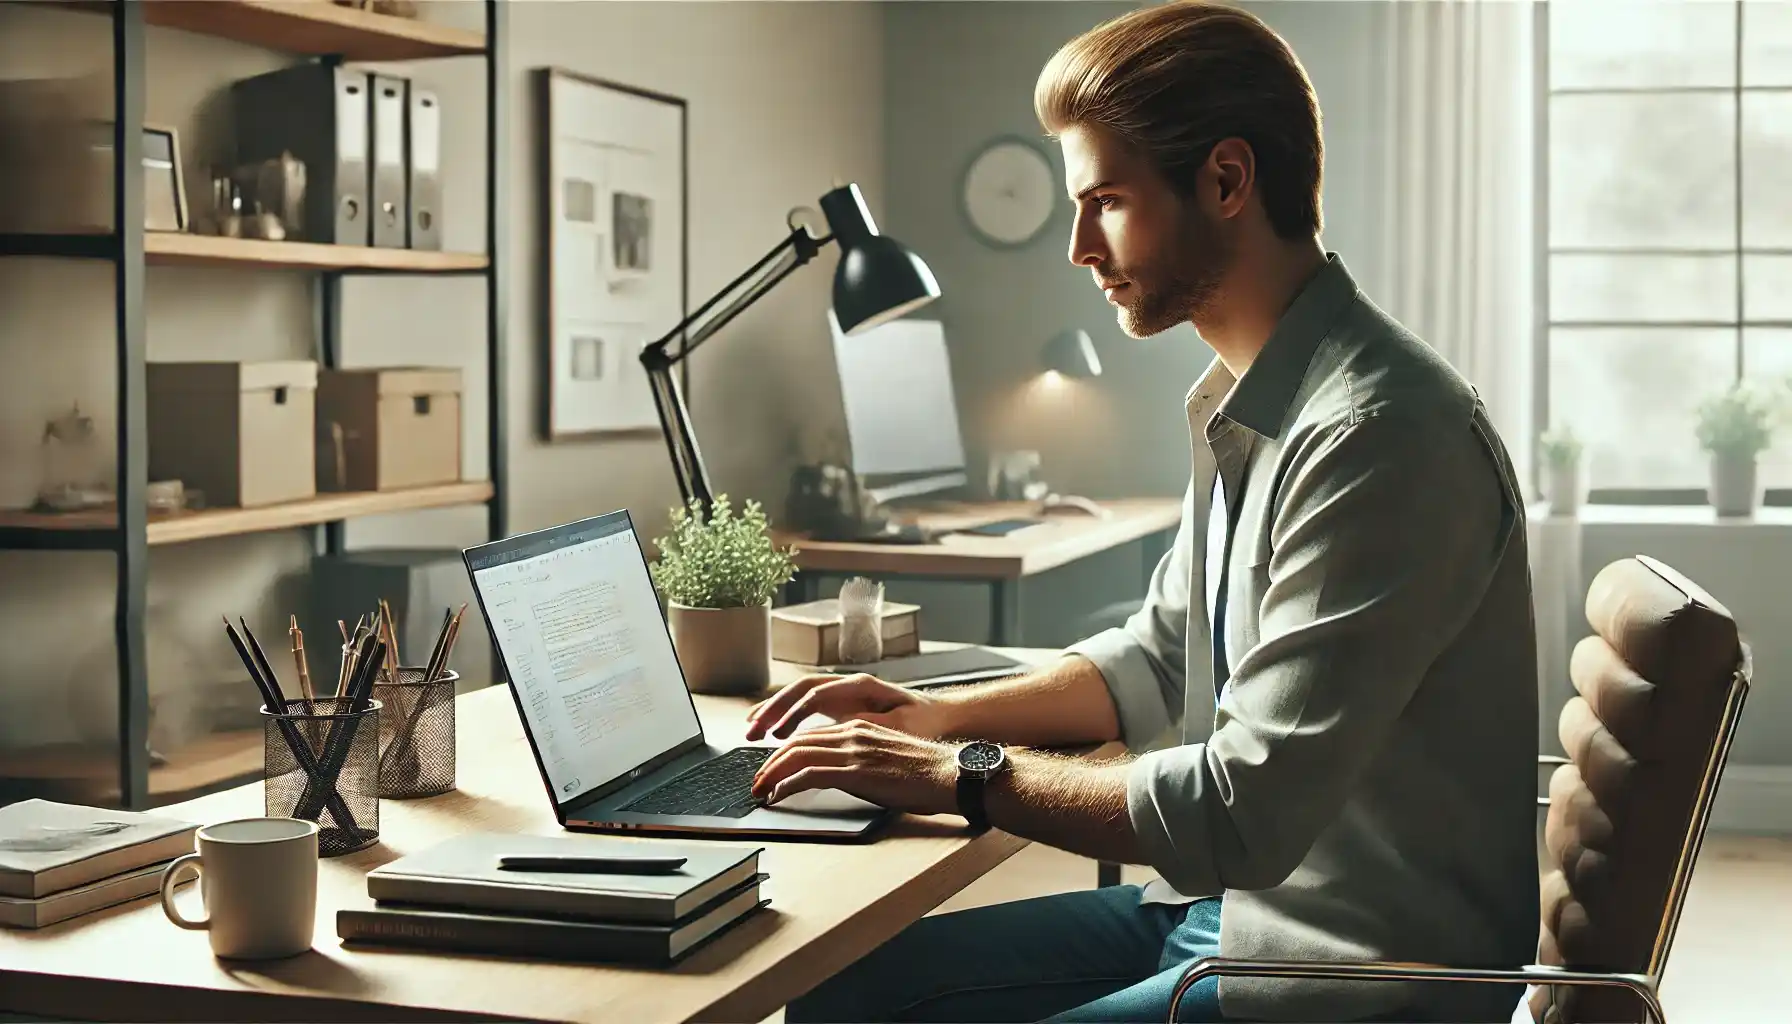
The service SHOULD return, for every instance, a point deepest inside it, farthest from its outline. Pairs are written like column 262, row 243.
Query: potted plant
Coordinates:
column 1735, row 426
column 718, row 576
column 1560, row 451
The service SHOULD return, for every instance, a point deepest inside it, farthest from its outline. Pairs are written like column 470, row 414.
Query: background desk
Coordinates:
column 998, row 562
column 830, row 905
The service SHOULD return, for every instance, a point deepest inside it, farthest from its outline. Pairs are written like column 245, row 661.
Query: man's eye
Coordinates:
column 1106, row 202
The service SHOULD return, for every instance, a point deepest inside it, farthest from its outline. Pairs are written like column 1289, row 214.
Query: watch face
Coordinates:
column 981, row 756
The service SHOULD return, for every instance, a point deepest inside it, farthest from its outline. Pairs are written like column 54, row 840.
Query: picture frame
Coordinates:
column 164, row 186
column 614, row 272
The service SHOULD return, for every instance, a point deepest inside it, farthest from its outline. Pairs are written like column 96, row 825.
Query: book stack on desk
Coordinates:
column 60, row 860
column 544, row 896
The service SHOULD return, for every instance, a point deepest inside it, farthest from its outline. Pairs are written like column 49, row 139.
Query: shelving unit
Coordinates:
column 86, row 531
column 333, row 34
column 171, row 249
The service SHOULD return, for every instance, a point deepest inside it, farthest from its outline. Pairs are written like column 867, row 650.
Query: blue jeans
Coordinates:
column 1094, row 955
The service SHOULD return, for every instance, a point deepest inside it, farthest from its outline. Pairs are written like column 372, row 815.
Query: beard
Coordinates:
column 1176, row 285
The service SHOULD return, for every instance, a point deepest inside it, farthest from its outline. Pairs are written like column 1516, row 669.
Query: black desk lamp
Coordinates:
column 878, row 280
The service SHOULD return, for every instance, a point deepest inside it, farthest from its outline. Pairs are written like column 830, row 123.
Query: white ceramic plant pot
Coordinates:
column 723, row 650
column 1563, row 488
column 1733, row 486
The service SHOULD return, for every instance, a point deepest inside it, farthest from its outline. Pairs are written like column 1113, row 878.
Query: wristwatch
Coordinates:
column 978, row 761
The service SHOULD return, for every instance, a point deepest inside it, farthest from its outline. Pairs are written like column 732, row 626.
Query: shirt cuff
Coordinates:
column 1131, row 682
column 1162, row 786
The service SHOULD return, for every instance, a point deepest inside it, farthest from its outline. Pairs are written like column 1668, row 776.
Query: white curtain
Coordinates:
column 1456, row 230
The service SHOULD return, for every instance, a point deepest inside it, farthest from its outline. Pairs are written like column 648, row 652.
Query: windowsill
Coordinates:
column 1776, row 516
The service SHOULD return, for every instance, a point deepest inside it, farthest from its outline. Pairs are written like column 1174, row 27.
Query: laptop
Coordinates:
column 580, row 634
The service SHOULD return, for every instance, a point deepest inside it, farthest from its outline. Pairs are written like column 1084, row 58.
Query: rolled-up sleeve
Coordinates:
column 1388, row 532
column 1143, row 662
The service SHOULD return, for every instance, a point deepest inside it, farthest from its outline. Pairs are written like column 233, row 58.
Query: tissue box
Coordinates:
column 809, row 634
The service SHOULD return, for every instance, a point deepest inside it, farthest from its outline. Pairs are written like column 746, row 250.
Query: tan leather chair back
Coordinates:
column 1660, row 685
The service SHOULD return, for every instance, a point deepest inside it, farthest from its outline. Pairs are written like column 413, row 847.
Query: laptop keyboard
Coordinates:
column 721, row 787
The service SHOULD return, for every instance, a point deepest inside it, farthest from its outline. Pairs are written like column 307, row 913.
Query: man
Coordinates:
column 1335, row 661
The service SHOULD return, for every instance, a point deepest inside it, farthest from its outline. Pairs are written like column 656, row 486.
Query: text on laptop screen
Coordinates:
column 582, row 636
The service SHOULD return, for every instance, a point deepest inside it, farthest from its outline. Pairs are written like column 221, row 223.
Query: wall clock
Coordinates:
column 1008, row 192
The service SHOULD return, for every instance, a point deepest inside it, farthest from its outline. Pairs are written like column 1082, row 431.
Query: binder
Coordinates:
column 423, row 159
column 319, row 114
column 389, row 205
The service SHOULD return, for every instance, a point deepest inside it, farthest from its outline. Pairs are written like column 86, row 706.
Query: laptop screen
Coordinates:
column 580, row 631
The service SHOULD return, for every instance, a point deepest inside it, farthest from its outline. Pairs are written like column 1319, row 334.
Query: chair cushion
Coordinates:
column 1652, row 684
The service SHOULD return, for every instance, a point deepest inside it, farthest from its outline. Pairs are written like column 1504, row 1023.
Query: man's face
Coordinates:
column 1155, row 254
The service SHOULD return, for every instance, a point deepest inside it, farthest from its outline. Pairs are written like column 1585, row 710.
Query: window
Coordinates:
column 1669, row 241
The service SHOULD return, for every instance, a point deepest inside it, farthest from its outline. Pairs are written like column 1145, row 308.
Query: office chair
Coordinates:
column 1660, row 684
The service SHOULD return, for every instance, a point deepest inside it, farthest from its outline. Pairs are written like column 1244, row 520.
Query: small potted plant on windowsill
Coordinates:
column 1735, row 426
column 718, row 576
column 1560, row 451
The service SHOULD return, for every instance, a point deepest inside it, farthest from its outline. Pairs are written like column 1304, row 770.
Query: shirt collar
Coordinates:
column 1260, row 399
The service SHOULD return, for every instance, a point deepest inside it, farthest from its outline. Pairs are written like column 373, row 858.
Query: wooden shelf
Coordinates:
column 89, row 775
column 225, row 522
column 315, row 27
column 172, row 249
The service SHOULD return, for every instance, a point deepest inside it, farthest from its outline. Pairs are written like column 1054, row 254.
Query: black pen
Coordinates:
column 592, row 865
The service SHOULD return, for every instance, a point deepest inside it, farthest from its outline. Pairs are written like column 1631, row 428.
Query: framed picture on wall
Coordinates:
column 614, row 266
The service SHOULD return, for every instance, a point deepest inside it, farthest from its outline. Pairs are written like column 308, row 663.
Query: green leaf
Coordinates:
column 727, row 561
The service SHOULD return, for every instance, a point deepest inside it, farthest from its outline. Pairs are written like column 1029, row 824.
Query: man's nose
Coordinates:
column 1087, row 248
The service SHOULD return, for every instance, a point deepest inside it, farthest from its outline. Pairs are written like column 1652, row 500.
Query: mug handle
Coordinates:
column 169, row 875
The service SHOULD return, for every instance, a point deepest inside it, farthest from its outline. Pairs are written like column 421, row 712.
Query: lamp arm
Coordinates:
column 658, row 360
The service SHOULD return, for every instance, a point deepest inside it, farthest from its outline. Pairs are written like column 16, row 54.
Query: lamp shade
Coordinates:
column 1072, row 353
column 878, row 278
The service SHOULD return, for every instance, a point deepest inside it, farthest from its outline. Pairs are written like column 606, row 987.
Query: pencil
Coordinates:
column 435, row 651
column 261, row 659
column 301, row 751
column 298, row 657
column 388, row 635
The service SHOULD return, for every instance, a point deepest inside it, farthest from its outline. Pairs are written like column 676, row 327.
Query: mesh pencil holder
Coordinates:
column 322, row 765
column 416, row 734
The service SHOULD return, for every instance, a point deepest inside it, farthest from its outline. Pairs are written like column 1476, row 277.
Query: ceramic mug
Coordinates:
column 258, row 879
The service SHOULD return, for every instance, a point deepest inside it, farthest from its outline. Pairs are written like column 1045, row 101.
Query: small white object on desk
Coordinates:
column 1071, row 504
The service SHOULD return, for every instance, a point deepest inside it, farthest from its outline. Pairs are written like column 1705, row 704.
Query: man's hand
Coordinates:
column 842, row 698
column 873, row 762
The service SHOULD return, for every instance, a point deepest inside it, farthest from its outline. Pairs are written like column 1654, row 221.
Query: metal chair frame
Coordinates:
column 1644, row 986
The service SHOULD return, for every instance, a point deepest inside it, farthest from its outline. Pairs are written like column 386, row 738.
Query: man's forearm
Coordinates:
column 1064, row 705
column 1068, row 803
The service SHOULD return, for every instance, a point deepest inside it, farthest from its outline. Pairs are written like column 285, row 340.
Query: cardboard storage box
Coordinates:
column 386, row 428
column 809, row 634
column 238, row 432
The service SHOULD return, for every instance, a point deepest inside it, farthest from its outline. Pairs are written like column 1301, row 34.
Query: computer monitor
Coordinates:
column 901, row 415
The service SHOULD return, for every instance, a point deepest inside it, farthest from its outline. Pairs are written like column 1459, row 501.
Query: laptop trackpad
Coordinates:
column 823, row 801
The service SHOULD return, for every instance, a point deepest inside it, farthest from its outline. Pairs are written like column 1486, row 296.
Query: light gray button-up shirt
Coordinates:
column 1364, row 788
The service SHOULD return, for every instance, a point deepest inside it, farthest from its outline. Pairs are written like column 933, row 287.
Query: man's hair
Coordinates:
column 1176, row 79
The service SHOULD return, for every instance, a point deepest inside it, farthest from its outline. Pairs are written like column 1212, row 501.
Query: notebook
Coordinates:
column 463, row 873
column 47, row 847
column 43, row 911
column 549, row 938
column 939, row 668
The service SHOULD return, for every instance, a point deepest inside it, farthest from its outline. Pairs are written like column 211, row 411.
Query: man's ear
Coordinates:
column 1233, row 168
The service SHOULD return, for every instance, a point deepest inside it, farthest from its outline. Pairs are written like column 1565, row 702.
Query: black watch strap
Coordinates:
column 970, row 800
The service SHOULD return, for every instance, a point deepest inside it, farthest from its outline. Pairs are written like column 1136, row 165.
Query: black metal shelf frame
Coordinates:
column 124, row 249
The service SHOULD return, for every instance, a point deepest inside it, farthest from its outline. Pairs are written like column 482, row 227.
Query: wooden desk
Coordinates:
column 999, row 562
column 830, row 905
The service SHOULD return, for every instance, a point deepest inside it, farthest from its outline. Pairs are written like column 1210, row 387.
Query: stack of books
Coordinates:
column 60, row 860
column 456, row 896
